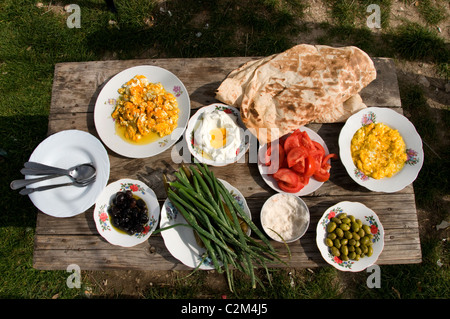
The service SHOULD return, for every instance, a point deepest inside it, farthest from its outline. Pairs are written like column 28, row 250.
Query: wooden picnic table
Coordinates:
column 60, row 242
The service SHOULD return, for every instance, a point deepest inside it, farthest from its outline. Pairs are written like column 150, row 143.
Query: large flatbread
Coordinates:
column 307, row 83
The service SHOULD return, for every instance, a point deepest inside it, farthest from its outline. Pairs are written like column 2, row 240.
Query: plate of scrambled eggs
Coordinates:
column 142, row 111
column 381, row 149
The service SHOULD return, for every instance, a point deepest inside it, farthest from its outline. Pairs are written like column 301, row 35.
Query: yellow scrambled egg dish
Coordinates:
column 145, row 107
column 378, row 151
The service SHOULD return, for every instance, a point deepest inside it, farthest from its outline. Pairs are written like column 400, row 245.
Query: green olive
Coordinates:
column 352, row 242
column 366, row 229
column 348, row 235
column 332, row 236
column 339, row 232
column 329, row 242
column 344, row 257
column 342, row 215
column 344, row 250
column 361, row 232
column 344, row 226
column 359, row 222
column 351, row 248
column 357, row 257
column 344, row 241
column 358, row 251
column 352, row 218
column 352, row 255
column 365, row 240
column 355, row 227
column 346, row 220
column 335, row 251
column 337, row 243
column 370, row 251
column 356, row 236
column 364, row 249
column 336, row 220
column 358, row 243
column 331, row 227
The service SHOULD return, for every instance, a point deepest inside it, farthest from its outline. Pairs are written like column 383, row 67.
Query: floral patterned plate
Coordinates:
column 368, row 217
column 180, row 240
column 406, row 129
column 195, row 147
column 103, row 221
column 106, row 102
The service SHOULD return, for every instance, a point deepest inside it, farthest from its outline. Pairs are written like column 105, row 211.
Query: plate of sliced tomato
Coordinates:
column 297, row 163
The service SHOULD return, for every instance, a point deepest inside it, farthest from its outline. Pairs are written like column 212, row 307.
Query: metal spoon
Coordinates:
column 19, row 183
column 77, row 173
column 42, row 169
column 82, row 183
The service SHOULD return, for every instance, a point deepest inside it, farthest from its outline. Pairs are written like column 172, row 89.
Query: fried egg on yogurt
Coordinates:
column 219, row 136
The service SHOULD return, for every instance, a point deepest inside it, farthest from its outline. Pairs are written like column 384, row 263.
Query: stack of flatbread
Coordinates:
column 307, row 83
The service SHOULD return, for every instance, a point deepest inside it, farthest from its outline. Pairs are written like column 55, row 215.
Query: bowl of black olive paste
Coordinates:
column 126, row 213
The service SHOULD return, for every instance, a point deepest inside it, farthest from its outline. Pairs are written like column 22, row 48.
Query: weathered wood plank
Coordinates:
column 66, row 241
column 76, row 85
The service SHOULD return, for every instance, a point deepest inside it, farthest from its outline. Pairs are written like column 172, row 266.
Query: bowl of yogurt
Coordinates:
column 285, row 217
column 216, row 135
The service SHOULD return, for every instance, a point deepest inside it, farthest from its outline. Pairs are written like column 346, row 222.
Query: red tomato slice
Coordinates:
column 273, row 161
column 328, row 157
column 286, row 175
column 291, row 142
column 310, row 166
column 290, row 189
column 321, row 175
column 299, row 167
column 318, row 151
column 306, row 141
column 295, row 155
column 303, row 179
column 288, row 180
column 302, row 182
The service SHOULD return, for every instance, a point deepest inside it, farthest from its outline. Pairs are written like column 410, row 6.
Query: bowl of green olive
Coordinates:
column 350, row 236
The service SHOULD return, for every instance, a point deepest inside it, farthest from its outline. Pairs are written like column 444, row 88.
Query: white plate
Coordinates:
column 66, row 149
column 105, row 104
column 395, row 121
column 313, row 184
column 103, row 222
column 180, row 240
column 368, row 217
column 196, row 150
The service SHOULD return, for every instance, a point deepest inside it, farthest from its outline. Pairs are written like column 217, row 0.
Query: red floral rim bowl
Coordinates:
column 103, row 220
column 368, row 217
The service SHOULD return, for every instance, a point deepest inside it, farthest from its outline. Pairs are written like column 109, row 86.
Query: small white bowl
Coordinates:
column 298, row 226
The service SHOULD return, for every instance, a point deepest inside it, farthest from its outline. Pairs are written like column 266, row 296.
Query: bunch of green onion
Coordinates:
column 219, row 224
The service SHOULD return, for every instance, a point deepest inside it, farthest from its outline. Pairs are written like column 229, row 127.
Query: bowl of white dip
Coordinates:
column 285, row 217
column 216, row 135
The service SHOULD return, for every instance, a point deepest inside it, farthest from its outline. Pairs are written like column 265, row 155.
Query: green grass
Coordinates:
column 432, row 13
column 33, row 40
